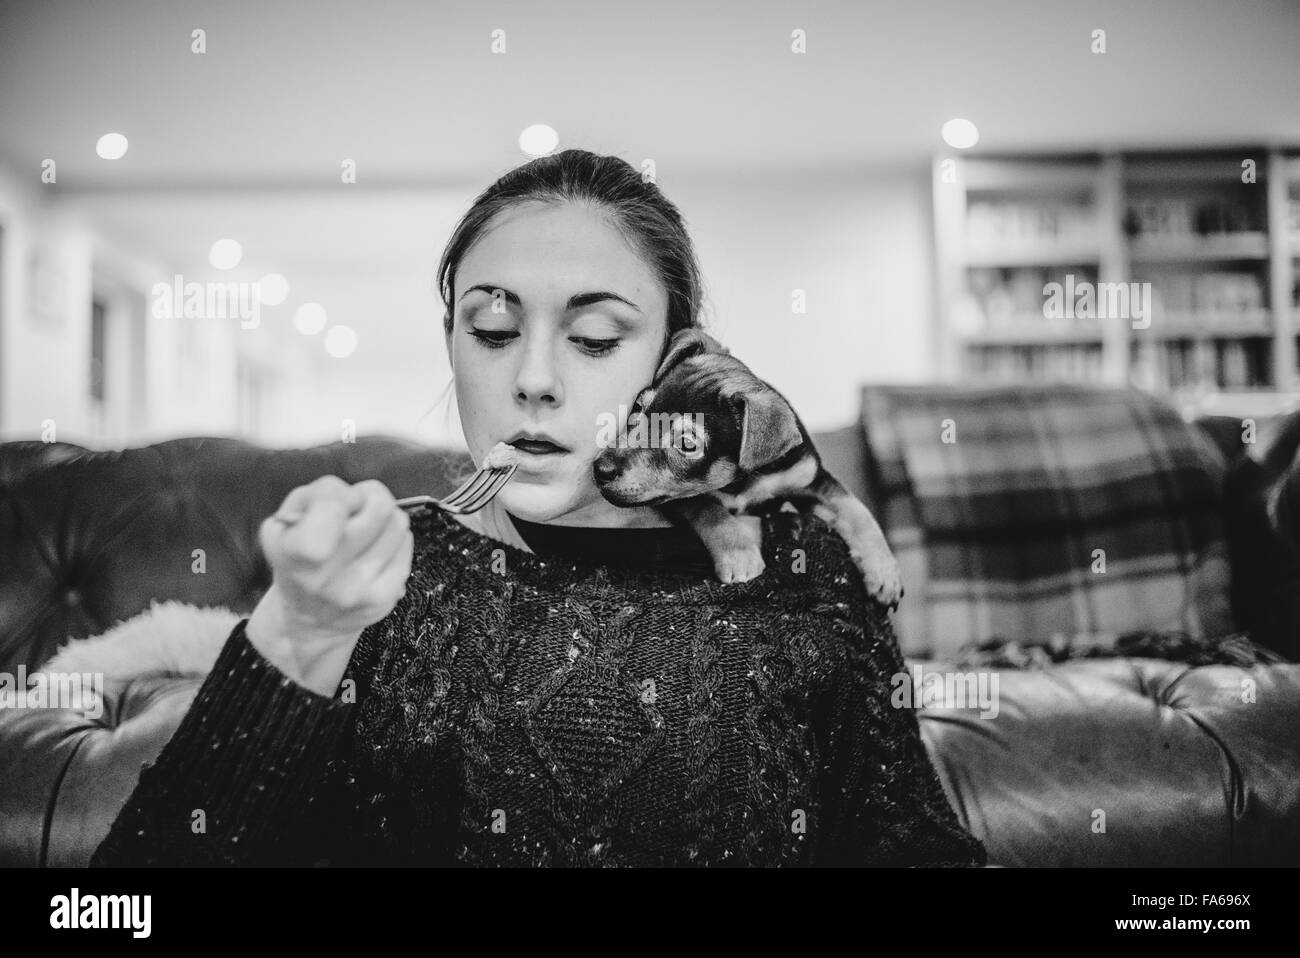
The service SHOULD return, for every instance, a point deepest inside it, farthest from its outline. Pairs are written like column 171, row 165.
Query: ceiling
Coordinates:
column 412, row 92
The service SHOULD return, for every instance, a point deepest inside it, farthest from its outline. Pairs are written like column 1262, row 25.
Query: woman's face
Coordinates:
column 559, row 350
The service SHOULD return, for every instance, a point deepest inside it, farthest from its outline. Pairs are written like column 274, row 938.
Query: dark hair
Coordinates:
column 614, row 189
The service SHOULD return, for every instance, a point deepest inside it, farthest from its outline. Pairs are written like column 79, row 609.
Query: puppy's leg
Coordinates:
column 870, row 551
column 735, row 542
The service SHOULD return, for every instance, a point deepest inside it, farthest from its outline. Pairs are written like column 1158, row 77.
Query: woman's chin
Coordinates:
column 534, row 502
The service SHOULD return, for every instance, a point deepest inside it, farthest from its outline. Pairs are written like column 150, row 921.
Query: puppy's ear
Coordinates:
column 684, row 344
column 769, row 428
column 643, row 399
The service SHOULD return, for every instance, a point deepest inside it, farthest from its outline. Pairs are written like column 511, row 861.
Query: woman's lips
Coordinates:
column 534, row 448
column 535, row 456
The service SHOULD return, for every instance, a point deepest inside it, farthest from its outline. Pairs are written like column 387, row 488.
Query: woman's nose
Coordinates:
column 536, row 379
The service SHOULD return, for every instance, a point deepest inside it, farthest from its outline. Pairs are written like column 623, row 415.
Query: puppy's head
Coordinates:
column 703, row 423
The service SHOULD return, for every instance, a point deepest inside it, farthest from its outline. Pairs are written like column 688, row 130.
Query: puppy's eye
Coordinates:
column 688, row 444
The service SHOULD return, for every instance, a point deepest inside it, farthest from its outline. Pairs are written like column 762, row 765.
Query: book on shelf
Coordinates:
column 1293, row 217
column 1006, row 298
column 1185, row 364
column 1216, row 291
column 994, row 224
column 1182, row 218
column 1037, row 363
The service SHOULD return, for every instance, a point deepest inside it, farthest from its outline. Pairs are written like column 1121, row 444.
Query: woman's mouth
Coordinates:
column 537, row 447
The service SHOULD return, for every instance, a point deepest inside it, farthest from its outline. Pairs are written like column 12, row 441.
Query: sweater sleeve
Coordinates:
column 882, row 801
column 249, row 756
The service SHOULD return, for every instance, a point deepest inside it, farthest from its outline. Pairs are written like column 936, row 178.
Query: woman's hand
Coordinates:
column 340, row 556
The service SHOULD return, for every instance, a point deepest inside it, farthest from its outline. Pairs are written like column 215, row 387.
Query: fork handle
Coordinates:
column 411, row 503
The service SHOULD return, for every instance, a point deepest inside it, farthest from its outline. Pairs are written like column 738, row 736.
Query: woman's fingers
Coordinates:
column 365, row 526
column 300, row 498
column 392, row 538
column 315, row 538
column 391, row 579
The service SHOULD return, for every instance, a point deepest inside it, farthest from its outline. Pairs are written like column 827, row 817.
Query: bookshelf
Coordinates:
column 1164, row 270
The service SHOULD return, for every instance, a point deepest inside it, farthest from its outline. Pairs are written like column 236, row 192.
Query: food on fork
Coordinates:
column 501, row 456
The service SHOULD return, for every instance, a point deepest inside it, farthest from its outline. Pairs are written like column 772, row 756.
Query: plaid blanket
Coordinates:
column 1043, row 514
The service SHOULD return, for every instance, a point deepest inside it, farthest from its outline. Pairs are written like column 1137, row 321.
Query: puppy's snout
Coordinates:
column 605, row 469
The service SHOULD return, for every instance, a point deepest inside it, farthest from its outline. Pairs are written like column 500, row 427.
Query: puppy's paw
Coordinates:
column 881, row 574
column 739, row 564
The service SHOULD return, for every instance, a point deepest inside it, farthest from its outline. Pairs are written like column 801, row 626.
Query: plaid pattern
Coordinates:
column 996, row 531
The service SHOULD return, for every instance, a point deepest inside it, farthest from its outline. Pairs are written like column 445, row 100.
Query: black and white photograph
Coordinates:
column 763, row 435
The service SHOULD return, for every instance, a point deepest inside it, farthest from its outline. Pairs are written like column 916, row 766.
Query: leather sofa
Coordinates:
column 89, row 539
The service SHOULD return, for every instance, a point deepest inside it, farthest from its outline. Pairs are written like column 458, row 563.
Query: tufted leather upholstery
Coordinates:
column 1183, row 771
column 88, row 539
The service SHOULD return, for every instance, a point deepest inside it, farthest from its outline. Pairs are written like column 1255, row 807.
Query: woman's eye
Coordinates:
column 492, row 340
column 598, row 347
column 498, row 339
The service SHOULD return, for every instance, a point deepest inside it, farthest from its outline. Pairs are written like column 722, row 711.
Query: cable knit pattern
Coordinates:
column 516, row 709
column 705, row 738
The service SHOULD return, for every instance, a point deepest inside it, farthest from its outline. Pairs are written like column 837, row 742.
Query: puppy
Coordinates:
column 709, row 441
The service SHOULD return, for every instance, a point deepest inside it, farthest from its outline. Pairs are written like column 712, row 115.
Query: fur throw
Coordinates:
column 167, row 639
column 1236, row 649
column 177, row 639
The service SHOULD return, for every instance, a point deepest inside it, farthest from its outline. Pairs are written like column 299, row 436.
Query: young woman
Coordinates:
column 552, row 680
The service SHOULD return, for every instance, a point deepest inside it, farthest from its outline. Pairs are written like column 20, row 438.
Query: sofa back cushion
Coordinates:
column 90, row 538
column 1037, row 513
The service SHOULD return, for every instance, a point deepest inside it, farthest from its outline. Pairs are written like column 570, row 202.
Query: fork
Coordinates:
column 477, row 491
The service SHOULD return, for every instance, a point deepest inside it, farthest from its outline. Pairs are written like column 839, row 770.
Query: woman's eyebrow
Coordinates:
column 576, row 301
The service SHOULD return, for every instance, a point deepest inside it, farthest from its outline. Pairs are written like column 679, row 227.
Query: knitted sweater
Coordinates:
column 522, row 709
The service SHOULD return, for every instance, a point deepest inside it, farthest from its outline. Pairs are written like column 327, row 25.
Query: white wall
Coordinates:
column 44, row 354
column 159, row 384
column 857, row 247
column 860, row 249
